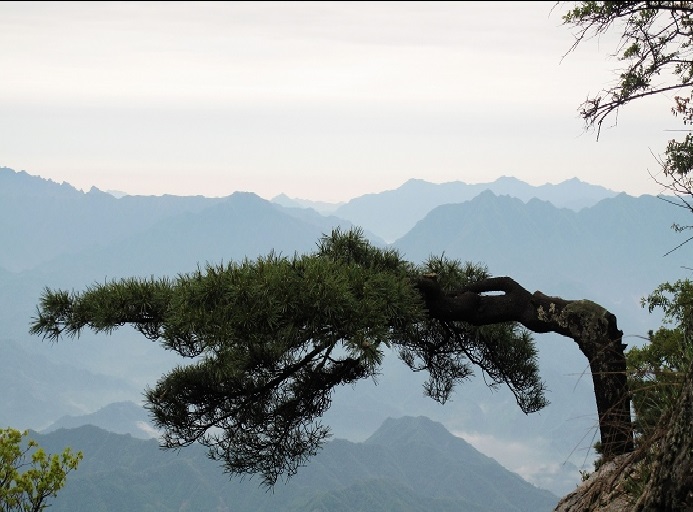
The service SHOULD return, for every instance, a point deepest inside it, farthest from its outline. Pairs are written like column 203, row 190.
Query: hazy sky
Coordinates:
column 317, row 100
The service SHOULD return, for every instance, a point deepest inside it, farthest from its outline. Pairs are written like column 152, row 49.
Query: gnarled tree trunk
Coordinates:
column 663, row 463
column 591, row 326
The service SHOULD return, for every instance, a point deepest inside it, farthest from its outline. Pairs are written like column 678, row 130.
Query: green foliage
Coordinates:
column 29, row 476
column 656, row 371
column 656, row 45
column 679, row 161
column 675, row 300
column 655, row 41
column 271, row 338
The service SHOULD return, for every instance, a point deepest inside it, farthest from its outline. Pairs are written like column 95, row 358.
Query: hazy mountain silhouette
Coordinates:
column 41, row 219
column 409, row 464
column 119, row 418
column 392, row 213
column 322, row 207
column 36, row 389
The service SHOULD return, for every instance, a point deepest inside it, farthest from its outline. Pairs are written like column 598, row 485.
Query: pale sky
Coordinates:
column 318, row 100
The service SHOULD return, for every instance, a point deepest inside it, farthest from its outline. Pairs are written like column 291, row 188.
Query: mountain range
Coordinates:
column 408, row 464
column 393, row 213
column 610, row 250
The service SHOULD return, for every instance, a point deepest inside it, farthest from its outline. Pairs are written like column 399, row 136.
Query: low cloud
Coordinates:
column 534, row 460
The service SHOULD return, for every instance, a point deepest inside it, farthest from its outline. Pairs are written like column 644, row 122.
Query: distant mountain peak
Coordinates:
column 416, row 181
column 509, row 179
column 119, row 417
column 244, row 193
column 400, row 431
column 323, row 207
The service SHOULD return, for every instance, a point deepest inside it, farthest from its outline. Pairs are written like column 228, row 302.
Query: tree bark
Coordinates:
column 590, row 325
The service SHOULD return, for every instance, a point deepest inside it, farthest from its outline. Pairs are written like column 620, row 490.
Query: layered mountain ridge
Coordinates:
column 54, row 235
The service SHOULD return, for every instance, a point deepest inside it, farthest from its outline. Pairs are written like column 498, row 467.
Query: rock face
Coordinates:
column 670, row 488
column 606, row 490
column 619, row 484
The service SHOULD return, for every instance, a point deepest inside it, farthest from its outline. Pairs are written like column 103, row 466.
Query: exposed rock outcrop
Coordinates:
column 606, row 490
column 670, row 486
